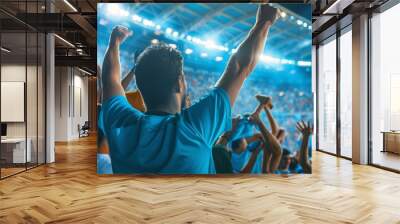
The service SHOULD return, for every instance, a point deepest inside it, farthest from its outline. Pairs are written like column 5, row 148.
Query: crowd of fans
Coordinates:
column 294, row 103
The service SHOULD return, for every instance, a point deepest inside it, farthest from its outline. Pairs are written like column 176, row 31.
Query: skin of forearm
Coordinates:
column 266, row 160
column 304, row 161
column 276, row 149
column 242, row 63
column 275, row 146
column 111, row 73
column 250, row 50
column 252, row 160
column 274, row 125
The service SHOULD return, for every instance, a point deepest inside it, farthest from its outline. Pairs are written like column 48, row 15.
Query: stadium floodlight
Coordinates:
column 210, row 44
column 304, row 63
column 114, row 10
column 158, row 27
column 196, row 40
column 172, row 45
column 136, row 18
column 154, row 41
column 218, row 58
column 168, row 30
column 283, row 14
column 175, row 34
column 204, row 54
column 234, row 50
column 189, row 38
column 299, row 22
column 188, row 51
column 287, row 62
column 305, row 25
column 309, row 27
column 149, row 23
column 281, row 93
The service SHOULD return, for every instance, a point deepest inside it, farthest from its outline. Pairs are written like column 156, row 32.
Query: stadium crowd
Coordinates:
column 190, row 121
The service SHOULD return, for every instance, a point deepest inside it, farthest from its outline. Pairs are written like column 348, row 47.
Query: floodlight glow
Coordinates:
column 210, row 44
column 292, row 17
column 196, row 40
column 158, row 27
column 234, row 50
column 287, row 62
column 270, row 59
column 168, row 30
column 137, row 18
column 189, row 38
column 309, row 27
column 147, row 22
column 188, row 51
column 154, row 41
column 281, row 93
column 218, row 58
column 299, row 22
column 283, row 14
column 203, row 55
column 304, row 63
column 175, row 34
column 305, row 24
column 115, row 10
column 301, row 93
column 172, row 45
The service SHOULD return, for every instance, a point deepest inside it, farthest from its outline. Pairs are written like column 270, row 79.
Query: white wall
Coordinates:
column 70, row 83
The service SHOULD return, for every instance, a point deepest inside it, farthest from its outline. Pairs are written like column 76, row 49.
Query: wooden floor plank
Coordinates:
column 70, row 191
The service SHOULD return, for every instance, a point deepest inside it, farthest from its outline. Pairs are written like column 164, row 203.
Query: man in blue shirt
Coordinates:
column 168, row 138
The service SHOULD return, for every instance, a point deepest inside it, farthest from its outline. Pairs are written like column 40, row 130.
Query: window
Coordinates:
column 385, row 89
column 346, row 94
column 327, row 96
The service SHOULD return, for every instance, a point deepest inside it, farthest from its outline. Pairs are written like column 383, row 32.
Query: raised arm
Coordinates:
column 306, row 131
column 267, row 101
column 270, row 141
column 251, row 162
column 242, row 63
column 111, row 71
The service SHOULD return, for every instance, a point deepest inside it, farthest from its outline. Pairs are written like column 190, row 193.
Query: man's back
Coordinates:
column 143, row 143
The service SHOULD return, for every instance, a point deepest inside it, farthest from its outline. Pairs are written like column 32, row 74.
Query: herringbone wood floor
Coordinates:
column 69, row 191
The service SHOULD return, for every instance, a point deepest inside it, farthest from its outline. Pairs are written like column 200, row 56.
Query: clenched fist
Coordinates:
column 267, row 13
column 119, row 34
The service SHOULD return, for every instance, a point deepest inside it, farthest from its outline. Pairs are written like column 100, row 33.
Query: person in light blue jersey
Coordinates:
column 244, row 159
column 167, row 138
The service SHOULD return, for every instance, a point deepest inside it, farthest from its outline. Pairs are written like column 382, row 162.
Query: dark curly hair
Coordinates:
column 158, row 69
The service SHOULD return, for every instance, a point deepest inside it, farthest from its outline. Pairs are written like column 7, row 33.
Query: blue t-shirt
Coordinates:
column 239, row 161
column 181, row 143
column 103, row 164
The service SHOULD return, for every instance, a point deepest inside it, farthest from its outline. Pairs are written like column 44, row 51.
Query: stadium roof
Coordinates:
column 229, row 23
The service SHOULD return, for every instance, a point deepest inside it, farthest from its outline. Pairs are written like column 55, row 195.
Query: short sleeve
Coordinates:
column 117, row 112
column 211, row 116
